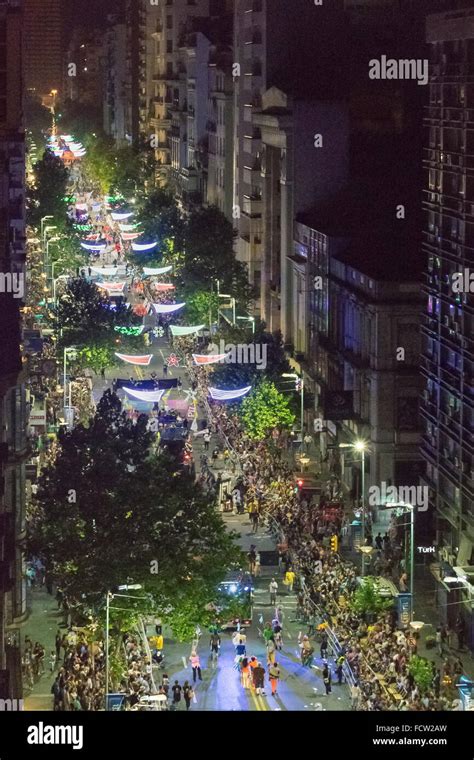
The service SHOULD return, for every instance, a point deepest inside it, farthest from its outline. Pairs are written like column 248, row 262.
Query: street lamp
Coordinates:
column 55, row 280
column 53, row 240
column 225, row 295
column 67, row 350
column 411, row 509
column 294, row 376
column 249, row 319
column 109, row 596
column 361, row 447
column 49, row 216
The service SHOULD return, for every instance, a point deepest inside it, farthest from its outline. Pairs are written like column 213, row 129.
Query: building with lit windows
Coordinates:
column 448, row 320
column 12, row 388
column 43, row 28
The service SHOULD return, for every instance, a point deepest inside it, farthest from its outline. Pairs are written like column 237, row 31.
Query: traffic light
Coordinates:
column 334, row 543
column 299, row 485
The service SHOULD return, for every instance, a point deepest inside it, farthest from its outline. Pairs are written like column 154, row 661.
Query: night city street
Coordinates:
column 237, row 369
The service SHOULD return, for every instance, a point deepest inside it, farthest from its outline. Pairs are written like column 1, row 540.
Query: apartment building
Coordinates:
column 448, row 319
column 170, row 119
column 43, row 27
column 12, row 389
column 292, row 47
column 82, row 69
column 114, row 79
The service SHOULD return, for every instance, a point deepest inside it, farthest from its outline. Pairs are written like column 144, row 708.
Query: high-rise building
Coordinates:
column 82, row 70
column 114, row 79
column 448, row 322
column 141, row 18
column 170, row 120
column 12, row 389
column 291, row 46
column 43, row 54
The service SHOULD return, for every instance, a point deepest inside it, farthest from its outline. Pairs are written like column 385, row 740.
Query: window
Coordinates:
column 169, row 46
column 169, row 22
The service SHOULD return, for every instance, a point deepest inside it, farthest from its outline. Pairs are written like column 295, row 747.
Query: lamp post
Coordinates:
column 109, row 597
column 361, row 447
column 301, row 381
column 226, row 295
column 43, row 220
column 51, row 240
column 249, row 319
column 411, row 509
column 47, row 229
column 67, row 350
column 56, row 280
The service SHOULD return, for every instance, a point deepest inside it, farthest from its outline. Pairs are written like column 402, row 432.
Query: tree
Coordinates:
column 367, row 599
column 271, row 352
column 209, row 255
column 264, row 410
column 422, row 672
column 201, row 306
column 47, row 195
column 161, row 221
column 85, row 315
column 108, row 511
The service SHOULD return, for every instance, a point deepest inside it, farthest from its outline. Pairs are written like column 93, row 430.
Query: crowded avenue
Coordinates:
column 302, row 636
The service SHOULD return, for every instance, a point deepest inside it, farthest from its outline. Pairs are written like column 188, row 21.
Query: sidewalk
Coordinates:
column 42, row 624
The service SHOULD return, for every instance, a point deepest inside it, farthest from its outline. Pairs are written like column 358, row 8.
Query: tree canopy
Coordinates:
column 265, row 409
column 108, row 511
column 47, row 195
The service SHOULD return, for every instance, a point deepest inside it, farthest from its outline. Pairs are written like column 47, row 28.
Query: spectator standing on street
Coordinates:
column 207, row 440
column 188, row 694
column 176, row 689
column 196, row 666
column 273, row 588
column 259, row 679
column 327, row 678
column 290, row 579
column 274, row 676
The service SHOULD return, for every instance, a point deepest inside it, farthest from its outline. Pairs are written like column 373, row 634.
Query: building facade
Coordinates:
column 448, row 319
column 43, row 29
column 170, row 119
column 12, row 387
column 114, row 78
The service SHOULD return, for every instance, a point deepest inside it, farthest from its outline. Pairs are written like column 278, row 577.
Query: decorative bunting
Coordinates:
column 221, row 395
column 143, row 361
column 181, row 331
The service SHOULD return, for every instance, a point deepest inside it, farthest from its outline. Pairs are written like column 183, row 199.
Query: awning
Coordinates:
column 93, row 247
column 109, row 271
column 181, row 331
column 120, row 217
column 152, row 397
column 113, row 287
column 203, row 359
column 220, row 395
column 150, row 272
column 162, row 286
column 143, row 246
column 143, row 361
column 127, row 236
column 167, row 308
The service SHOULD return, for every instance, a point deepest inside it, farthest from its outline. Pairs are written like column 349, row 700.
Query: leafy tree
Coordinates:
column 108, row 511
column 367, row 599
column 273, row 359
column 80, row 119
column 84, row 315
column 265, row 409
column 46, row 195
column 160, row 220
column 200, row 306
column 422, row 672
column 209, row 255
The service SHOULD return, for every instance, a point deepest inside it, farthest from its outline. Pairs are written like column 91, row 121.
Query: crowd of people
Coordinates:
column 375, row 657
